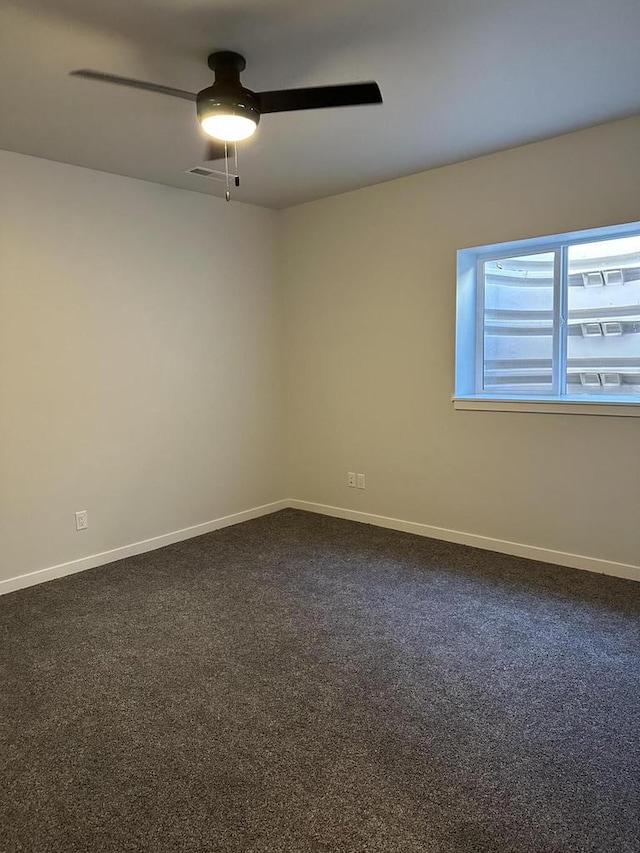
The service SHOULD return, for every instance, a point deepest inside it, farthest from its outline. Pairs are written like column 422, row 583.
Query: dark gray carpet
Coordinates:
column 300, row 683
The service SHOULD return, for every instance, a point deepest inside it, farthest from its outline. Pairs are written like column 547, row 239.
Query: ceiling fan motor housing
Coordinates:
column 228, row 99
column 227, row 95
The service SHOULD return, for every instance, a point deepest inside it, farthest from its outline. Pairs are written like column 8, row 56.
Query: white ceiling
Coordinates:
column 459, row 78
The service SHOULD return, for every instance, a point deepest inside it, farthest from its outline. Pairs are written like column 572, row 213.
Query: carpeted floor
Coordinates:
column 300, row 683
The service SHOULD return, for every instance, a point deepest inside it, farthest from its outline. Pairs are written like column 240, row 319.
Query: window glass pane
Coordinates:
column 518, row 324
column 603, row 333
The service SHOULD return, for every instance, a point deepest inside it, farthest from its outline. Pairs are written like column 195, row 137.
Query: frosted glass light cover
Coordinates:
column 228, row 128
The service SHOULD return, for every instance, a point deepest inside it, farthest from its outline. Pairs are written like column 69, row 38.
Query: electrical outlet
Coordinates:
column 351, row 479
column 361, row 482
column 82, row 520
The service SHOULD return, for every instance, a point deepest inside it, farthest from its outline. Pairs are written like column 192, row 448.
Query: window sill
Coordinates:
column 557, row 406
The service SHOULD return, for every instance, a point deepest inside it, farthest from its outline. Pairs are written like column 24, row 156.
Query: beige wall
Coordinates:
column 145, row 334
column 139, row 361
column 369, row 300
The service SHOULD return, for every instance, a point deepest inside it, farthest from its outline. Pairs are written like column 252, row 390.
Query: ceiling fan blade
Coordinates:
column 133, row 84
column 215, row 150
column 347, row 95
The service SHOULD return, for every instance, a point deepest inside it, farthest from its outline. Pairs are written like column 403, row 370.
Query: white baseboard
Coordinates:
column 532, row 552
column 516, row 549
column 90, row 562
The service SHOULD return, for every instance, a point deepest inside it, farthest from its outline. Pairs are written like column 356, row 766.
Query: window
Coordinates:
column 553, row 321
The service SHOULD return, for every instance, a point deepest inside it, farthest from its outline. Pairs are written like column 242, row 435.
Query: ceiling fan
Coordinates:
column 229, row 113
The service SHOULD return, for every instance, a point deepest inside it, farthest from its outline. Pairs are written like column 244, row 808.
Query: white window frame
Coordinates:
column 469, row 369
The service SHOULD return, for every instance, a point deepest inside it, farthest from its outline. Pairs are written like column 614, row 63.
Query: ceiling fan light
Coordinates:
column 227, row 126
column 227, row 111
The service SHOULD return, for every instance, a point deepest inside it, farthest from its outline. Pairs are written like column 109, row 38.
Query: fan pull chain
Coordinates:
column 236, row 176
column 235, row 147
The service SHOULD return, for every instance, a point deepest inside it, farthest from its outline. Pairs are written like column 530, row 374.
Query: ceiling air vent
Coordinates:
column 612, row 327
column 214, row 174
